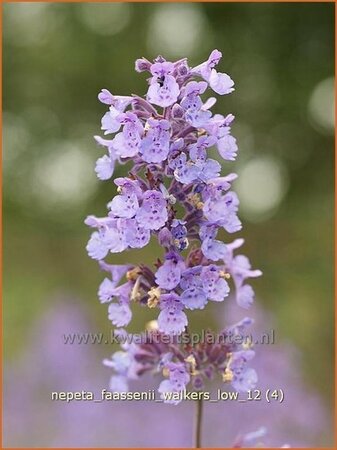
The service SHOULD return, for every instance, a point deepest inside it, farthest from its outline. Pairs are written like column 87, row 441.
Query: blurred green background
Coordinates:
column 57, row 57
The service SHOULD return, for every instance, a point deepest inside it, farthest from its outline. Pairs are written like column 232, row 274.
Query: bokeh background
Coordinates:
column 56, row 58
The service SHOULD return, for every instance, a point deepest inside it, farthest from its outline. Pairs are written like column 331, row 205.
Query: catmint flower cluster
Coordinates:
column 182, row 363
column 174, row 193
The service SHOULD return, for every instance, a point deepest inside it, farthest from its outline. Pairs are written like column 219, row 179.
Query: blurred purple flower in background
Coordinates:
column 52, row 365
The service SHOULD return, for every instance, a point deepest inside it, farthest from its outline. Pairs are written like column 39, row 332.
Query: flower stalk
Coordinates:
column 198, row 423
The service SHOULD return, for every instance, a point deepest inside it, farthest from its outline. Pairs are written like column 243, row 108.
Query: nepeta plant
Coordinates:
column 174, row 192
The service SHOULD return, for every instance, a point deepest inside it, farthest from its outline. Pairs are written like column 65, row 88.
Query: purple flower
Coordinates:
column 244, row 378
column 182, row 364
column 123, row 291
column 195, row 112
column 215, row 287
column 172, row 319
column 240, row 269
column 179, row 231
column 106, row 164
column 127, row 185
column 106, row 290
column 163, row 90
column 245, row 381
column 184, row 172
column 202, row 283
column 179, row 234
column 194, row 298
column 178, row 379
column 221, row 83
column 111, row 121
column 124, row 365
column 206, row 168
column 223, row 212
column 106, row 97
column 128, row 141
column 198, row 152
column 96, row 247
column 108, row 238
column 117, row 271
column 210, row 247
column 219, row 126
column 165, row 237
column 156, row 144
column 136, row 236
column 125, row 205
column 216, row 186
column 142, row 65
column 168, row 275
column 209, row 170
column 104, row 167
column 191, row 277
column 120, row 102
column 204, row 69
column 245, row 296
column 152, row 214
column 228, row 148
column 120, row 314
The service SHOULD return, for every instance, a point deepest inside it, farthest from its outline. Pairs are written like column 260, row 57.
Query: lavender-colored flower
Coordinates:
column 136, row 235
column 179, row 234
column 106, row 164
column 111, row 121
column 128, row 141
column 211, row 247
column 240, row 269
column 168, row 275
column 221, row 83
column 126, row 204
column 184, row 171
column 120, row 102
column 155, row 146
column 164, row 89
column 178, row 379
column 106, row 290
column 219, row 355
column 223, row 212
column 195, row 112
column 120, row 314
column 220, row 127
column 215, row 287
column 152, row 215
column 124, row 366
column 194, row 298
column 227, row 147
column 96, row 247
column 172, row 319
column 244, row 378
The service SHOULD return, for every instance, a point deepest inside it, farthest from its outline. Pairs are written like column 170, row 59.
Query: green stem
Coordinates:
column 198, row 422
